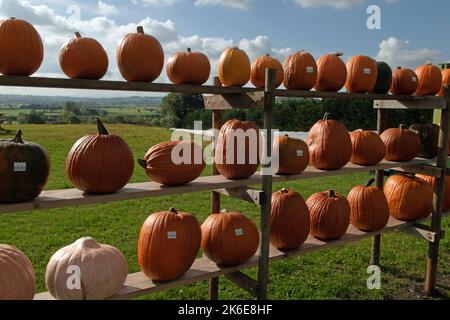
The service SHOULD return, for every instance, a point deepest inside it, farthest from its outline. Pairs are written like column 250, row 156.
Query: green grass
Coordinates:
column 338, row 273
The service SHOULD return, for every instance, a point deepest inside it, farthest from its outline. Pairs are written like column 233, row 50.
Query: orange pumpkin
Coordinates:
column 369, row 208
column 140, row 57
column 21, row 49
column 330, row 215
column 332, row 73
column 300, row 71
column 292, row 155
column 188, row 68
column 430, row 80
column 243, row 160
column 329, row 143
column 258, row 71
column 289, row 220
column 229, row 238
column 409, row 197
column 362, row 73
column 404, row 81
column 168, row 244
column 402, row 144
column 234, row 68
column 445, row 81
column 100, row 163
column 83, row 58
column 432, row 182
column 161, row 167
column 368, row 148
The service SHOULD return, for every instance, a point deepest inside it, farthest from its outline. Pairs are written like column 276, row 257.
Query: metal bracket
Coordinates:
column 422, row 231
column 243, row 281
column 244, row 193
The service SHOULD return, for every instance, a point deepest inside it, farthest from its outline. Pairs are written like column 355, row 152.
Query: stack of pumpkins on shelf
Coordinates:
column 140, row 57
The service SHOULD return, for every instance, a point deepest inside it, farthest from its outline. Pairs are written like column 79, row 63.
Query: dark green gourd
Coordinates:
column 384, row 79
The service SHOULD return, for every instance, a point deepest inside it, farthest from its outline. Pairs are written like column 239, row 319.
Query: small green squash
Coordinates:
column 384, row 78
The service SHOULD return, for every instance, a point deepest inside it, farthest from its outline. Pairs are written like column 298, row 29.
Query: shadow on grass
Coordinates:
column 4, row 131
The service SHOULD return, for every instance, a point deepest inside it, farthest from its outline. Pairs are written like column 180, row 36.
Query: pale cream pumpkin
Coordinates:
column 17, row 276
column 101, row 270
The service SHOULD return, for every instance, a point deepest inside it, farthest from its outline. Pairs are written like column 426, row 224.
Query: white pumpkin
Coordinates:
column 86, row 270
column 17, row 276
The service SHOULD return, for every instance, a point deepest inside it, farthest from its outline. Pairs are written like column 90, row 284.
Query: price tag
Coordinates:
column 310, row 69
column 367, row 71
column 299, row 153
column 171, row 235
column 239, row 232
column 20, row 166
column 413, row 79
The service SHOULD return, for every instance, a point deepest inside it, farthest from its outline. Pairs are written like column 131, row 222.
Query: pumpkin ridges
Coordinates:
column 234, row 68
column 402, row 145
column 332, row 73
column 430, row 79
column 445, row 81
column 188, row 68
column 384, row 78
column 258, row 71
column 432, row 181
column 403, row 81
column 358, row 81
column 296, row 76
column 368, row 148
column 289, row 160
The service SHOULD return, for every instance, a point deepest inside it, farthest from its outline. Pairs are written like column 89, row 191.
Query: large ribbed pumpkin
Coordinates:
column 432, row 182
column 174, row 163
column 300, row 71
column 24, row 169
column 168, row 244
column 289, row 220
column 384, row 78
column 243, row 161
column 409, row 197
column 404, row 81
column 100, row 163
column 445, row 81
column 292, row 155
column 329, row 143
column 402, row 144
column 140, row 57
column 17, row 276
column 83, row 58
column 369, row 207
column 368, row 148
column 332, row 72
column 21, row 49
column 188, row 68
column 330, row 215
column 429, row 136
column 102, row 271
column 430, row 79
column 234, row 68
column 362, row 73
column 258, row 71
column 229, row 238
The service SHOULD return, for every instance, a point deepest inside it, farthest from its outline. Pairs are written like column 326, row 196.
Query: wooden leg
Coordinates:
column 376, row 248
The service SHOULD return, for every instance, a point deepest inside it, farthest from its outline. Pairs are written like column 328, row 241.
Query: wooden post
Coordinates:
column 217, row 122
column 438, row 199
column 263, row 270
column 376, row 240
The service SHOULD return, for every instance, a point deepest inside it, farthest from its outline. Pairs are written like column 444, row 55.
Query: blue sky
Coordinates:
column 412, row 30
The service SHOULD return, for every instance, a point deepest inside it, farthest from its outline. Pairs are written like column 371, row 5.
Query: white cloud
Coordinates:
column 339, row 4
column 155, row 2
column 235, row 4
column 397, row 52
column 105, row 9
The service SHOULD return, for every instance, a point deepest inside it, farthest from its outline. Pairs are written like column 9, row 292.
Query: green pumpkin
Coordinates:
column 24, row 170
column 384, row 79
column 429, row 136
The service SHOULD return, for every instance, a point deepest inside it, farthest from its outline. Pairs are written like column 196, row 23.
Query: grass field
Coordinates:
column 112, row 111
column 331, row 274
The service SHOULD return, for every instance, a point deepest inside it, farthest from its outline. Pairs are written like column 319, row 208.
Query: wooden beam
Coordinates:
column 251, row 100
column 428, row 170
column 243, row 281
column 244, row 193
column 424, row 232
column 431, row 104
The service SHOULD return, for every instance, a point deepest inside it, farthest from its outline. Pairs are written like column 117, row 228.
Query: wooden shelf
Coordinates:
column 73, row 197
column 137, row 284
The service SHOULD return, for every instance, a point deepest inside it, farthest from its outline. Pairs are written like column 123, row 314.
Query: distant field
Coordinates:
column 331, row 274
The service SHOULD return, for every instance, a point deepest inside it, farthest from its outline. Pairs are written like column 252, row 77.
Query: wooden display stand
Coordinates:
column 243, row 98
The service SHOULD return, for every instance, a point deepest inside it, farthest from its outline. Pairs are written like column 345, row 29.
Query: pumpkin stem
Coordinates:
column 140, row 29
column 18, row 137
column 338, row 54
column 331, row 194
column 370, row 182
column 284, row 190
column 267, row 54
column 12, row 18
column 399, row 68
column 403, row 127
column 225, row 211
column 101, row 128
column 189, row 50
column 173, row 210
column 142, row 163
column 429, row 63
column 326, row 116
column 77, row 34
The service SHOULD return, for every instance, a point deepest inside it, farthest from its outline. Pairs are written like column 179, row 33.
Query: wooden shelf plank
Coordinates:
column 431, row 104
column 137, row 284
column 73, row 197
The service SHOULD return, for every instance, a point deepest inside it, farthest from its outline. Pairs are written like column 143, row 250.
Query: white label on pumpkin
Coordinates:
column 239, row 232
column 310, row 69
column 20, row 166
column 299, row 153
column 171, row 235
column 413, row 79
column 367, row 71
